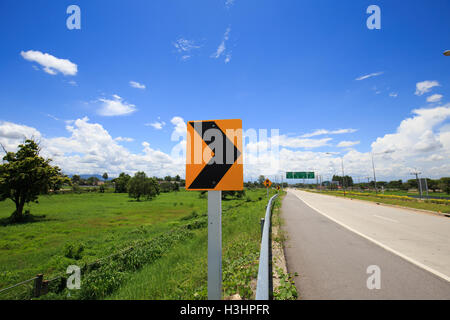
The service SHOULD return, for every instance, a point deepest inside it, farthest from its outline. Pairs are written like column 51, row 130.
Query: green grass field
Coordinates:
column 106, row 223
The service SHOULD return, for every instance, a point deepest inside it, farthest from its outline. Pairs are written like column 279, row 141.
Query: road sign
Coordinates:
column 214, row 163
column 267, row 183
column 214, row 155
column 300, row 175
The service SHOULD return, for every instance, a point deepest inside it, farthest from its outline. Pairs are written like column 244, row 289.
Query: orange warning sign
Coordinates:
column 214, row 159
column 267, row 183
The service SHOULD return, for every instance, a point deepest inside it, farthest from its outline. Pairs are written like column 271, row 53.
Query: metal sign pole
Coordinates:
column 214, row 245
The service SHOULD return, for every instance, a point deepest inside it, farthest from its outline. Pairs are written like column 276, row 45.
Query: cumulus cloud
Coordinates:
column 115, row 107
column 51, row 64
column 393, row 94
column 367, row 76
column 425, row 86
column 421, row 141
column 137, row 85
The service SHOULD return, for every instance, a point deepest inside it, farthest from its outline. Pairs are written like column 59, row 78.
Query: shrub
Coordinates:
column 73, row 251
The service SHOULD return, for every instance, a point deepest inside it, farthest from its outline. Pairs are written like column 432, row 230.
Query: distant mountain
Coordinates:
column 87, row 176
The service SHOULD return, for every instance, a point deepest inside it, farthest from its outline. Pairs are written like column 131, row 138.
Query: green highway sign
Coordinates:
column 300, row 175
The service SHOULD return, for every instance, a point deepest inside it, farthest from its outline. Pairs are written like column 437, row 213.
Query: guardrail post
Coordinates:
column 38, row 285
column 262, row 226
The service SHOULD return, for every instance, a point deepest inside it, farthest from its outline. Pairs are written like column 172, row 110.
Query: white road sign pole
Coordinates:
column 214, row 245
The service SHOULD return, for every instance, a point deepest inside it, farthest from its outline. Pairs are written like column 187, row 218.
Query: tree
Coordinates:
column 25, row 175
column 76, row 179
column 444, row 184
column 167, row 178
column 105, row 176
column 347, row 181
column 261, row 180
column 93, row 181
column 177, row 178
column 121, row 183
column 142, row 186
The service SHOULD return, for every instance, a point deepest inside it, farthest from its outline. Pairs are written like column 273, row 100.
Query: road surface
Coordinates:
column 332, row 241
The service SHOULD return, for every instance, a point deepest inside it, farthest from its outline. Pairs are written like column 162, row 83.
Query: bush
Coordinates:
column 73, row 251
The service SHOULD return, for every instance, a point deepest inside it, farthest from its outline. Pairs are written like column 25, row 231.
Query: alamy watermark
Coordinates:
column 374, row 280
column 74, row 20
column 374, row 21
column 74, row 280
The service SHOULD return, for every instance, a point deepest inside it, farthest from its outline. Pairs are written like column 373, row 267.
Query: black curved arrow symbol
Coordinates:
column 213, row 172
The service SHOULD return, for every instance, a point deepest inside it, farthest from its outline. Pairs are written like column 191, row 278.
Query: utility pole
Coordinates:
column 343, row 175
column 419, row 185
column 374, row 177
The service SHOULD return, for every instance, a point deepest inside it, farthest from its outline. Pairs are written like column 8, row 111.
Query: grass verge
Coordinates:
column 442, row 206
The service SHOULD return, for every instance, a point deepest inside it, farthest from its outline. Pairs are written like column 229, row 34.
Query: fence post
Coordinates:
column 38, row 285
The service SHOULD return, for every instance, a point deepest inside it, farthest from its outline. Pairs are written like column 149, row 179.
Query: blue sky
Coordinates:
column 288, row 65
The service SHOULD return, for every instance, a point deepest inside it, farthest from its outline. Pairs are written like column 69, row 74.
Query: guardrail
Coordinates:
column 262, row 286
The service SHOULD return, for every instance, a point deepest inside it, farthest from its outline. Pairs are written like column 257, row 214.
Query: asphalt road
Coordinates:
column 332, row 245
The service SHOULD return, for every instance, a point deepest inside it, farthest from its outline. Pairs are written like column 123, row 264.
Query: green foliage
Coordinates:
column 233, row 194
column 169, row 186
column 76, row 179
column 105, row 176
column 121, row 183
column 142, row 186
column 25, row 175
column 102, row 278
column 286, row 290
column 73, row 251
column 444, row 184
column 240, row 267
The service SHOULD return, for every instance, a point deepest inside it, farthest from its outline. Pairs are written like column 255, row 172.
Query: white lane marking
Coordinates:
column 392, row 220
column 417, row 263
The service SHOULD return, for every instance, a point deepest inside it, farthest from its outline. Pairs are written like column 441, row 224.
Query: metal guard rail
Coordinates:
column 262, row 286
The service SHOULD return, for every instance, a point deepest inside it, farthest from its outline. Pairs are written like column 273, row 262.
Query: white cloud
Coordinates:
column 222, row 47
column 435, row 98
column 115, row 107
column 185, row 48
column 158, row 125
column 12, row 134
column 51, row 64
column 421, row 141
column 294, row 142
column 229, row 3
column 137, row 85
column 348, row 144
column 124, row 139
column 393, row 94
column 425, row 86
column 321, row 132
column 367, row 76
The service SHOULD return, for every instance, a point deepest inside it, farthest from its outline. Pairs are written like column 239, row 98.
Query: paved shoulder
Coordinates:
column 332, row 261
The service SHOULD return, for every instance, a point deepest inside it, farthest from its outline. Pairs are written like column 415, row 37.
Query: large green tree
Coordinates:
column 142, row 186
column 24, row 175
column 121, row 183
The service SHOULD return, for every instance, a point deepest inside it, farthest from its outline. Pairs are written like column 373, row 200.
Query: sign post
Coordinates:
column 214, row 245
column 214, row 164
column 267, row 183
